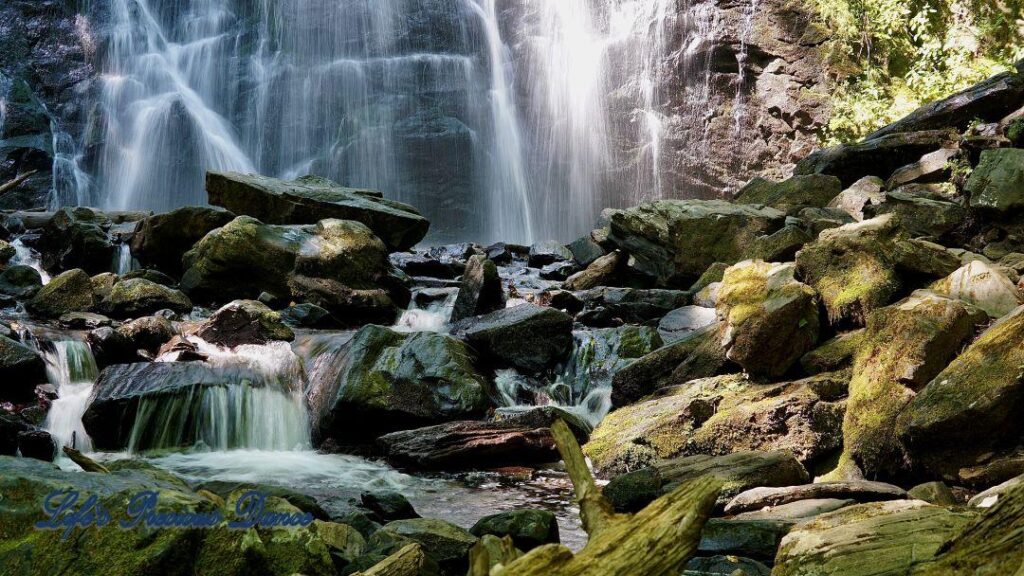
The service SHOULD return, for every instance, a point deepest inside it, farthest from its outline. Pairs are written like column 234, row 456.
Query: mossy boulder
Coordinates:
column 858, row 196
column 311, row 199
column 76, row 238
column 70, row 291
column 882, row 538
column 6, row 253
column 920, row 214
column 904, row 346
column 878, row 156
column 387, row 381
column 245, row 322
column 834, row 354
column 697, row 355
column 20, row 281
column 141, row 297
column 996, row 185
column 675, row 241
column 983, row 285
column 338, row 265
column 973, row 404
column 527, row 337
column 161, row 240
column 527, row 528
column 769, row 319
column 860, row 267
column 990, row 544
column 814, row 190
column 443, row 542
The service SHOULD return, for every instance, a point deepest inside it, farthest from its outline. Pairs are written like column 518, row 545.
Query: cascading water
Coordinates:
column 494, row 120
column 71, row 368
column 5, row 90
column 264, row 410
column 26, row 256
column 123, row 262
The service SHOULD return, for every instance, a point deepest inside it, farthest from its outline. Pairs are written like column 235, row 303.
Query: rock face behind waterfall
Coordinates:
column 311, row 199
column 390, row 381
column 338, row 265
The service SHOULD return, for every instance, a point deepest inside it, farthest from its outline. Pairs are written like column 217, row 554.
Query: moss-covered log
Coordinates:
column 657, row 540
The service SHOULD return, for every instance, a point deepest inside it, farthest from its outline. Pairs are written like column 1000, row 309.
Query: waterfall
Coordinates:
column 26, row 256
column 264, row 410
column 739, row 103
column 71, row 368
column 507, row 121
column 5, row 90
column 123, row 261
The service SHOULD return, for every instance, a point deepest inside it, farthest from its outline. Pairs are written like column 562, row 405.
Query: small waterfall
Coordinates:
column 431, row 317
column 739, row 108
column 26, row 256
column 123, row 261
column 5, row 90
column 71, row 368
column 264, row 410
column 72, row 186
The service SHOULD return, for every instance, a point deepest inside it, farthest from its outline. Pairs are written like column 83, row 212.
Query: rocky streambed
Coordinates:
column 818, row 376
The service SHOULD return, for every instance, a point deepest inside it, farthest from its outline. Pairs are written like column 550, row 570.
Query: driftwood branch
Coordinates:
column 657, row 540
column 15, row 182
column 87, row 464
column 489, row 552
column 406, row 562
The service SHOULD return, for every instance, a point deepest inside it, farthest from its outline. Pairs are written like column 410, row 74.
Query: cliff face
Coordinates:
column 45, row 79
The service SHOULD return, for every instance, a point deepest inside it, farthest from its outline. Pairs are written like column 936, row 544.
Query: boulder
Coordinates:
column 799, row 510
column 469, row 445
column 858, row 490
column 527, row 528
column 769, row 319
column 543, row 417
column 311, row 199
column 443, row 542
column 609, row 307
column 982, row 285
column 244, row 322
column 20, row 370
column 987, row 101
column 867, row 539
column 338, row 265
column 725, row 566
column 936, row 493
column 585, row 250
column 140, row 297
column 973, row 404
column 103, row 284
column 905, row 346
column 83, row 321
column 879, row 156
column 154, row 276
column 37, row 444
column 20, row 281
column 698, row 355
column 480, row 291
column 858, row 196
column 76, row 238
column 860, row 267
column 755, row 538
column 931, row 168
column 738, row 472
column 387, row 381
column 604, row 271
column 548, row 252
column 526, row 337
column 7, row 252
column 419, row 265
column 835, row 354
column 70, row 291
column 814, row 190
column 921, row 215
column 989, row 544
column 675, row 241
column 681, row 322
column 388, row 506
column 996, row 185
column 161, row 240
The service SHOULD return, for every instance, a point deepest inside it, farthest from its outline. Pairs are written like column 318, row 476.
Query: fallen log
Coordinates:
column 16, row 181
column 406, row 562
column 655, row 541
column 87, row 464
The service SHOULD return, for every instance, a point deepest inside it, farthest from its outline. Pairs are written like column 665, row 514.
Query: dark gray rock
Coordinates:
column 20, row 281
column 879, row 156
column 469, row 445
column 20, row 370
column 244, row 322
column 547, row 252
column 480, row 291
column 527, row 528
column 161, row 240
column 530, row 338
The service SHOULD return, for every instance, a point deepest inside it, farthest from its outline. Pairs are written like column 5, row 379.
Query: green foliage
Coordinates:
column 895, row 55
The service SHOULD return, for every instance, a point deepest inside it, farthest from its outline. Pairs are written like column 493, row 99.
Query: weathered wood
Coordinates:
column 87, row 464
column 15, row 182
column 406, row 562
column 657, row 540
column 489, row 552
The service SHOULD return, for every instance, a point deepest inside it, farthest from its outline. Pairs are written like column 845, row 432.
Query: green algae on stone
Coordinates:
column 904, row 346
column 834, row 354
column 141, row 297
column 968, row 408
column 769, row 318
column 815, row 190
column 70, row 291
